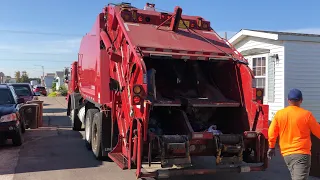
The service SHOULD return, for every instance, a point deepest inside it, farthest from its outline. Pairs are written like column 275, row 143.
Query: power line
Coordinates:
column 35, row 53
column 37, row 33
column 34, row 60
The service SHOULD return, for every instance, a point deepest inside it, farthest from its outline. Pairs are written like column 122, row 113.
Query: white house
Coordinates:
column 59, row 76
column 48, row 80
column 282, row 61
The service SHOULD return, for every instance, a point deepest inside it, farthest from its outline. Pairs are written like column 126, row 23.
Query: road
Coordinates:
column 56, row 152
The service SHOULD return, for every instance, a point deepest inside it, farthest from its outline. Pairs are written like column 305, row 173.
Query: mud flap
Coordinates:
column 106, row 141
column 75, row 98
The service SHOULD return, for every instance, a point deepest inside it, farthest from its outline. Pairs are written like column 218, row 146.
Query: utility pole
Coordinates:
column 42, row 79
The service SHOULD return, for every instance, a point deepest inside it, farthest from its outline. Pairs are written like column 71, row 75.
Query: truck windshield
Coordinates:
column 6, row 97
column 22, row 90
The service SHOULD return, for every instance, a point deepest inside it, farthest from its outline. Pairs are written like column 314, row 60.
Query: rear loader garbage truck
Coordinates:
column 153, row 90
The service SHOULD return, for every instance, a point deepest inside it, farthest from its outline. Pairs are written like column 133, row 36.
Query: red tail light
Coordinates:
column 138, row 91
column 136, row 99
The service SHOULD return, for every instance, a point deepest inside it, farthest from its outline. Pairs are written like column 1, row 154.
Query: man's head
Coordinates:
column 295, row 97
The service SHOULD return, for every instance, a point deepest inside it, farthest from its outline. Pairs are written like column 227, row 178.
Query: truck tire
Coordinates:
column 96, row 136
column 17, row 137
column 87, row 130
column 75, row 121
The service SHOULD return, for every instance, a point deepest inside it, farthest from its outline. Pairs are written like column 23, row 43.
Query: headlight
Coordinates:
column 9, row 117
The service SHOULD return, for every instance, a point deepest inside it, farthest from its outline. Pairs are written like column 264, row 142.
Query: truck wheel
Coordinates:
column 96, row 136
column 17, row 137
column 76, row 123
column 88, row 122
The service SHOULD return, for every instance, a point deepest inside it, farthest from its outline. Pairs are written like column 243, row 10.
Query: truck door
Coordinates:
column 315, row 158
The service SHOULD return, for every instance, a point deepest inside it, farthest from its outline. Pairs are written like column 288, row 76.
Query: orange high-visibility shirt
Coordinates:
column 293, row 125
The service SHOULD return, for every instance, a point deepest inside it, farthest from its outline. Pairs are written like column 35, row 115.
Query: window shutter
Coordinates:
column 271, row 79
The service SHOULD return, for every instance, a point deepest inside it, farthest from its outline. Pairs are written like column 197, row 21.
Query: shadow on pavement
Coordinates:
column 7, row 145
column 54, row 110
column 55, row 149
column 57, row 121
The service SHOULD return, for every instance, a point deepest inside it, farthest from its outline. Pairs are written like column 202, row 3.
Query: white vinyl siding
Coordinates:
column 274, row 84
column 302, row 71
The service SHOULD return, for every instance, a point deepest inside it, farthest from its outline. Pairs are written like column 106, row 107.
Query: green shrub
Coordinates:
column 54, row 86
column 63, row 90
column 53, row 94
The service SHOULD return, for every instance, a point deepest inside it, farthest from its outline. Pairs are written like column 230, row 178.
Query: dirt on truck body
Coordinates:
column 153, row 89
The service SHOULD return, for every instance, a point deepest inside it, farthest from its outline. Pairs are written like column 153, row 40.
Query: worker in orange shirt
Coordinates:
column 293, row 125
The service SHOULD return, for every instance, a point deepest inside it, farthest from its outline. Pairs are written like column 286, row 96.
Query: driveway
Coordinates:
column 55, row 152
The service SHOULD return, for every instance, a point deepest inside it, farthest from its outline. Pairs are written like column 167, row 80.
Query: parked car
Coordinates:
column 11, row 124
column 24, row 91
column 40, row 89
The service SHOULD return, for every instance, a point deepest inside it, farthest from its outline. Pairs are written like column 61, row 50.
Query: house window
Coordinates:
column 259, row 70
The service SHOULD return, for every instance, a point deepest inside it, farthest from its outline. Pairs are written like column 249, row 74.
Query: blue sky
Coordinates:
column 64, row 22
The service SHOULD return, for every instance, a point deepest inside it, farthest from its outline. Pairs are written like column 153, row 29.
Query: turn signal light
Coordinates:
column 137, row 89
column 259, row 95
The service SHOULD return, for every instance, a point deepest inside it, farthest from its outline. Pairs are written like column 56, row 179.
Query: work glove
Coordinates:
column 271, row 152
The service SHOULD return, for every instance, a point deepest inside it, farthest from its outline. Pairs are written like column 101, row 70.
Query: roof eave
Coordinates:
column 299, row 38
column 244, row 33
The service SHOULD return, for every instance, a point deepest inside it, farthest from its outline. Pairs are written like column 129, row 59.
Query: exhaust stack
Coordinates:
column 176, row 19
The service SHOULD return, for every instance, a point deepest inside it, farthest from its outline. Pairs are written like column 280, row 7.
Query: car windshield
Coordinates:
column 41, row 88
column 6, row 97
column 22, row 90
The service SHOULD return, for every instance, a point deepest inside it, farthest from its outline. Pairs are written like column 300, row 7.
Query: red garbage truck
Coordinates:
column 154, row 89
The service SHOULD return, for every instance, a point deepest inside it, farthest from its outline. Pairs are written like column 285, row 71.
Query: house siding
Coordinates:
column 275, row 47
column 302, row 71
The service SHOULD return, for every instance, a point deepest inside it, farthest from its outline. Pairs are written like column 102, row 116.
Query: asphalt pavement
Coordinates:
column 55, row 152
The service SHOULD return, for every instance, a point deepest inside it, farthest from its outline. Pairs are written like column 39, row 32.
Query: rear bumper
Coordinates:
column 8, row 129
column 188, row 172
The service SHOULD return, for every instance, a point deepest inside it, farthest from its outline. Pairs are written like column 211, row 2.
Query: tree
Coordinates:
column 1, row 77
column 25, row 77
column 17, row 75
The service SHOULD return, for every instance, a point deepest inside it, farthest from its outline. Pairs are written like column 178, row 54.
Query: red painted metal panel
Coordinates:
column 145, row 35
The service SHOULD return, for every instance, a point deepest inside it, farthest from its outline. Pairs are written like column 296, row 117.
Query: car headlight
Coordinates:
column 9, row 117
